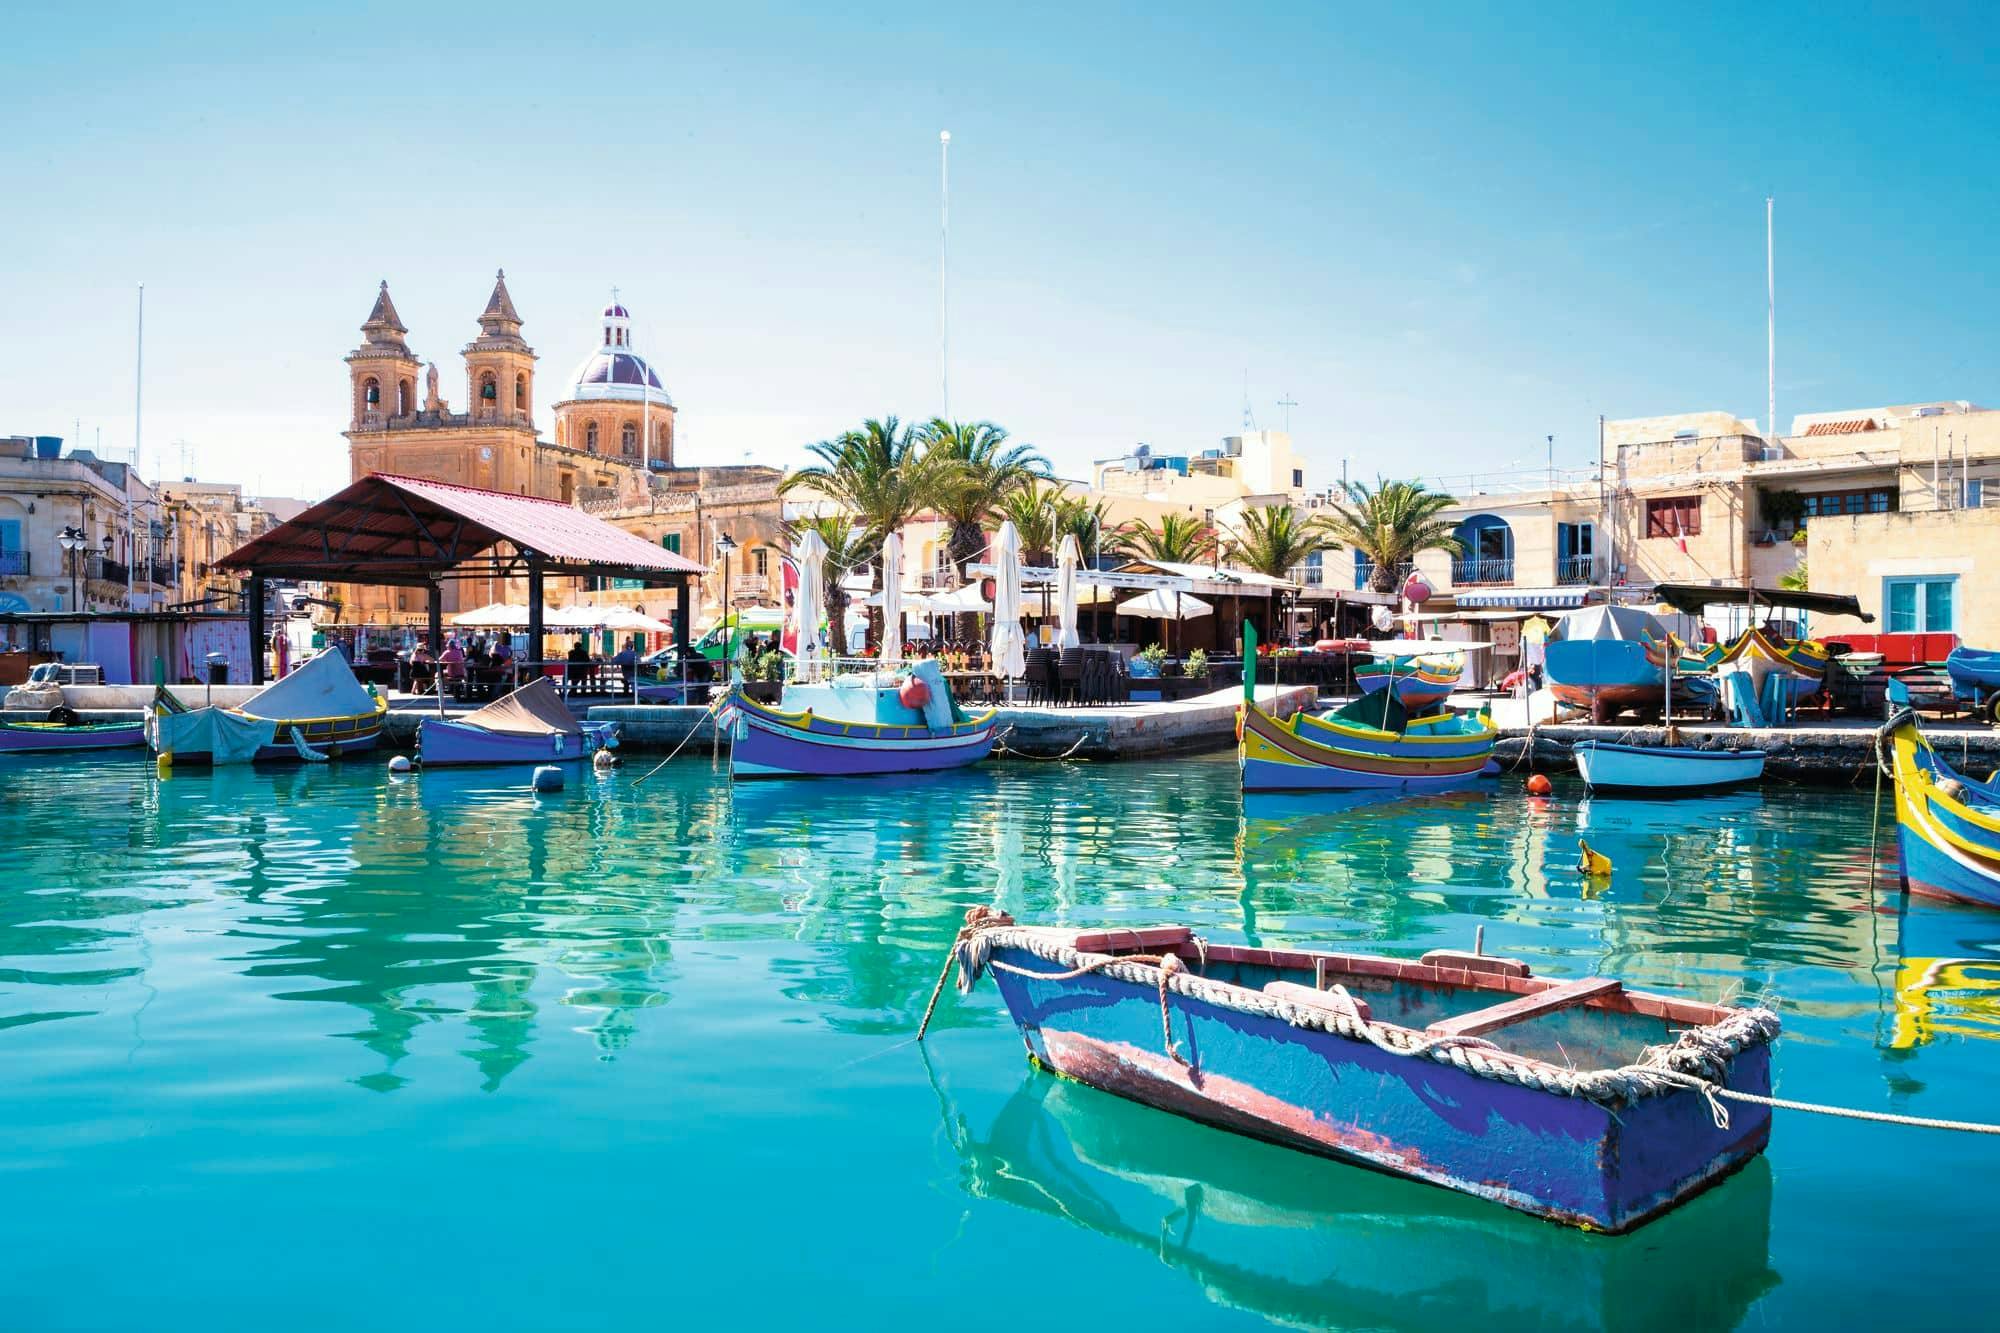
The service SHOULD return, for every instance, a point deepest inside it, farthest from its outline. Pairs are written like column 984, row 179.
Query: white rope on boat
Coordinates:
column 1702, row 1053
column 1713, row 1091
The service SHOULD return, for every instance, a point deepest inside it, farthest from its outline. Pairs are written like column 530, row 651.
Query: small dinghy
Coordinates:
column 530, row 726
column 1664, row 770
column 1578, row 1101
column 21, row 737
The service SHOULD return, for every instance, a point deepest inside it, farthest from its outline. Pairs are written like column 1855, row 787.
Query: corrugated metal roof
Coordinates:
column 387, row 529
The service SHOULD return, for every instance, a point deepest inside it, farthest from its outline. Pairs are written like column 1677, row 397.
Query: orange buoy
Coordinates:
column 1539, row 785
column 913, row 693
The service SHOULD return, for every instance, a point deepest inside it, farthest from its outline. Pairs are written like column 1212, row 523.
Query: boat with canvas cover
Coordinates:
column 1578, row 1101
column 1947, row 824
column 1607, row 659
column 317, row 712
column 530, row 726
column 855, row 725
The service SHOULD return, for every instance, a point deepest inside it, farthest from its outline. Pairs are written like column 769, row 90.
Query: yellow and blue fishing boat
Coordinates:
column 1947, row 824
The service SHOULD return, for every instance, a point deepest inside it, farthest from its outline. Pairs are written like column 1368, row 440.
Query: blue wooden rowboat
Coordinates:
column 530, row 726
column 1571, row 1100
column 853, row 726
column 51, row 737
column 1947, row 824
column 1663, row 770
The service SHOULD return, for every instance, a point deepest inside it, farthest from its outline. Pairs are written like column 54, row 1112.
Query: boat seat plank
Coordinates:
column 1148, row 939
column 1523, row 1007
column 1298, row 994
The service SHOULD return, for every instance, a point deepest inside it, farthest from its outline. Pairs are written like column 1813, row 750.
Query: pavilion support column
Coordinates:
column 436, row 610
column 255, row 595
column 535, row 613
column 683, row 616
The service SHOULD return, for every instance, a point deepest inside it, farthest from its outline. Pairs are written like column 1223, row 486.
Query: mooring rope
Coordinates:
column 1712, row 1091
column 707, row 712
column 1000, row 744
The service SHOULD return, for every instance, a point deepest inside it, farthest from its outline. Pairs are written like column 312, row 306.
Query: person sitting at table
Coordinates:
column 452, row 664
column 423, row 670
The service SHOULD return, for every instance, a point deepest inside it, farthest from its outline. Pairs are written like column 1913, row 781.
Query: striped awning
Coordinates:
column 1536, row 599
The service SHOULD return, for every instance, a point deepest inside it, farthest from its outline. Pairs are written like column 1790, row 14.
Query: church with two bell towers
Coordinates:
column 614, row 425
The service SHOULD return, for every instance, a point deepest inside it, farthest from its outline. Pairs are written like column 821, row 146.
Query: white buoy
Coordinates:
column 399, row 763
column 604, row 761
column 548, row 778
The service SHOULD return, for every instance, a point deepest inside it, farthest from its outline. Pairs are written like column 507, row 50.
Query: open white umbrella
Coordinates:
column 1161, row 604
column 962, row 599
column 810, row 552
column 496, row 615
column 1010, row 656
column 624, row 620
column 892, row 600
column 1068, row 557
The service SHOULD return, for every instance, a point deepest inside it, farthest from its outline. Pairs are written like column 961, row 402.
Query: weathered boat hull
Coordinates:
column 1949, row 845
column 1284, row 756
column 1565, row 1158
column 1661, row 770
column 50, row 738
column 1606, row 676
column 1974, row 672
column 768, row 743
column 442, row 743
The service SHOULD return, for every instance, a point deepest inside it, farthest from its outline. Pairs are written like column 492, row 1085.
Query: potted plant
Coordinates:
column 1148, row 663
column 1196, row 666
column 764, row 677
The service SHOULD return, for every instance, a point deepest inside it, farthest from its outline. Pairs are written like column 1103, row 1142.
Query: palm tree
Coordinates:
column 880, row 475
column 1034, row 511
column 847, row 549
column 974, row 470
column 1087, row 522
column 1274, row 540
column 1180, row 539
column 1794, row 580
column 1391, row 525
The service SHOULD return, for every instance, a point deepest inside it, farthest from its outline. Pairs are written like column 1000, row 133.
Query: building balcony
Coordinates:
column 1576, row 569
column 161, row 572
column 104, row 569
column 14, row 564
column 1478, row 572
column 1364, row 574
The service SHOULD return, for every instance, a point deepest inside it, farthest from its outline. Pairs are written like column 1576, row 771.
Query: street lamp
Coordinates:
column 724, row 544
column 73, row 541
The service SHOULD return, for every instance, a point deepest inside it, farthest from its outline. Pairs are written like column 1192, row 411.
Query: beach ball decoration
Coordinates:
column 1416, row 590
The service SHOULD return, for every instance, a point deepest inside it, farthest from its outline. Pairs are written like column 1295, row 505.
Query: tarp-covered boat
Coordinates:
column 1947, row 824
column 854, row 726
column 1578, row 1101
column 1975, row 678
column 318, row 711
column 1608, row 659
column 530, row 726
column 22, row 737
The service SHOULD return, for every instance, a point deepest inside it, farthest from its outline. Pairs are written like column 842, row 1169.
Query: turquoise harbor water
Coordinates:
column 312, row 1048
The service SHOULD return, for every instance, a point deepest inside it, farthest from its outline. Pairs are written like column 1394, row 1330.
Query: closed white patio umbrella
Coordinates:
column 810, row 552
column 1067, row 559
column 1010, row 656
column 892, row 600
column 962, row 599
column 1160, row 604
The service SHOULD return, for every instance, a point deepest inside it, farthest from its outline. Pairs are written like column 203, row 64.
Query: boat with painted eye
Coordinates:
column 1947, row 824
column 858, row 725
column 530, row 726
column 1372, row 742
column 1578, row 1101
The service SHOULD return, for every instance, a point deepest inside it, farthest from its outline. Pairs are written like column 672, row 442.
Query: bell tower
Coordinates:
column 499, row 364
column 383, row 370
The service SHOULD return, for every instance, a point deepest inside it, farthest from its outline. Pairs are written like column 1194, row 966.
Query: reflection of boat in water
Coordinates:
column 1948, row 973
column 1284, row 810
column 1319, row 1245
column 1651, row 817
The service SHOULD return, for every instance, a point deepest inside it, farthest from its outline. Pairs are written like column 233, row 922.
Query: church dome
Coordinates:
column 614, row 371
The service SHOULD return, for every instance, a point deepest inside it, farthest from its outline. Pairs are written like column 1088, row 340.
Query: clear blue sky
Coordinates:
column 1445, row 232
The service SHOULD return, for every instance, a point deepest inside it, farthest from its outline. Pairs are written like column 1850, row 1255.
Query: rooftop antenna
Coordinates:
column 1771, row 322
column 944, row 269
column 1288, row 403
column 1249, row 421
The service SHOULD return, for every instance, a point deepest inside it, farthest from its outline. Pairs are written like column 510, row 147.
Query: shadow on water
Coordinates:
column 1316, row 1243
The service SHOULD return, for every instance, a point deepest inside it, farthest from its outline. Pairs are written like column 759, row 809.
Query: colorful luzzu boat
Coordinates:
column 1347, row 750
column 1577, row 1101
column 855, row 726
column 317, row 712
column 530, row 726
column 1419, row 682
column 49, row 737
column 1947, row 824
column 1800, row 663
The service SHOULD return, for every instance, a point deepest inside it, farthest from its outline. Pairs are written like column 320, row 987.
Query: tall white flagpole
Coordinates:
column 138, row 421
column 1771, row 324
column 944, row 267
